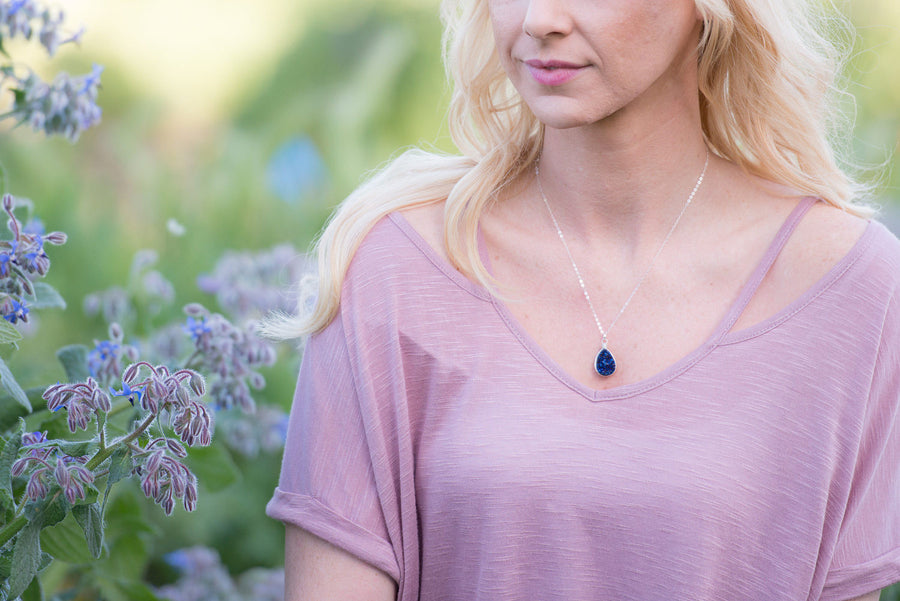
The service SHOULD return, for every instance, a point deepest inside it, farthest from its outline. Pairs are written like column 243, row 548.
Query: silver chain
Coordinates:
column 603, row 333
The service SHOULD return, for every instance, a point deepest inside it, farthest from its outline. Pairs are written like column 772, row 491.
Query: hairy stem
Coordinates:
column 11, row 529
column 103, row 454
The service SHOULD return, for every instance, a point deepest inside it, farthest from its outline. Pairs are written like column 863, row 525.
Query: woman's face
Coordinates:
column 577, row 62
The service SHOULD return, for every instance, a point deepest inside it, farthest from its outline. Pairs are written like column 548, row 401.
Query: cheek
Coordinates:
column 506, row 23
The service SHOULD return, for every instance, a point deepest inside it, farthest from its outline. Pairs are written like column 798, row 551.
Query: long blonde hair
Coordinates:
column 768, row 103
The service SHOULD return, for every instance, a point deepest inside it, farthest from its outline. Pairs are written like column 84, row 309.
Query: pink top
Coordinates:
column 432, row 438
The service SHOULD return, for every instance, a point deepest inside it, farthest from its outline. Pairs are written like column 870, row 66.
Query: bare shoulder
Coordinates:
column 824, row 236
column 428, row 221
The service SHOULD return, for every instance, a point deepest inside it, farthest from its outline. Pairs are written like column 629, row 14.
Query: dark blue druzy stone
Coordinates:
column 605, row 363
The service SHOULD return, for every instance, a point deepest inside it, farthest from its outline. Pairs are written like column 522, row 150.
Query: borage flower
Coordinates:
column 81, row 400
column 127, row 392
column 14, row 311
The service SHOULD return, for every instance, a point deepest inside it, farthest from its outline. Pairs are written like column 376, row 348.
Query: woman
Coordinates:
column 617, row 350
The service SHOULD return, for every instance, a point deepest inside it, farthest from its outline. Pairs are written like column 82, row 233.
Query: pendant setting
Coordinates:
column 605, row 363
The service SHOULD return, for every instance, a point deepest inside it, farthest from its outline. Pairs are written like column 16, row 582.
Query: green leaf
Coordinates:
column 66, row 542
column 6, row 562
column 213, row 466
column 78, row 448
column 10, row 411
column 124, row 590
column 33, row 592
column 120, row 466
column 7, row 457
column 46, row 297
column 125, row 517
column 74, row 361
column 49, row 511
column 26, row 559
column 8, row 333
column 12, row 387
column 90, row 520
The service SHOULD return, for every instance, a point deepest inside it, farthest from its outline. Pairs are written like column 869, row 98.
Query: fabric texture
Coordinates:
column 433, row 439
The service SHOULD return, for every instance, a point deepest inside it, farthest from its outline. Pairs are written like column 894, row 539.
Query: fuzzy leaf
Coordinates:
column 78, row 448
column 11, row 411
column 66, row 542
column 26, row 559
column 120, row 466
column 12, row 387
column 33, row 592
column 47, row 512
column 46, row 297
column 6, row 562
column 74, row 361
column 90, row 520
column 7, row 457
column 213, row 466
column 8, row 333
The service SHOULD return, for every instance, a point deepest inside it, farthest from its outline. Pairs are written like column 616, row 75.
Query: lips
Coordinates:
column 553, row 72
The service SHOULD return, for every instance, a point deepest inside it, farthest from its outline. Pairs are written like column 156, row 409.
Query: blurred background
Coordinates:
column 238, row 124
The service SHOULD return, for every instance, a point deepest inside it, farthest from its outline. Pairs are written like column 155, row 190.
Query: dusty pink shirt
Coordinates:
column 431, row 437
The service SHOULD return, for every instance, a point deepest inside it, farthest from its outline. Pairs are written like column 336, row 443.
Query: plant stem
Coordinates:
column 190, row 360
column 11, row 529
column 103, row 454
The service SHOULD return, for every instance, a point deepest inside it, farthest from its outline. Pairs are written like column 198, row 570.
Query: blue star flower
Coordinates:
column 196, row 327
column 128, row 392
column 19, row 311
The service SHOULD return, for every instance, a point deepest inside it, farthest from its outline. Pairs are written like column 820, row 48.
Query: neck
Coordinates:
column 625, row 188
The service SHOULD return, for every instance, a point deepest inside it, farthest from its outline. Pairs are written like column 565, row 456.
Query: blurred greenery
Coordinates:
column 360, row 80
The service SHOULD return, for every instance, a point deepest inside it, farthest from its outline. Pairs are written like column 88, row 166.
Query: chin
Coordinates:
column 560, row 114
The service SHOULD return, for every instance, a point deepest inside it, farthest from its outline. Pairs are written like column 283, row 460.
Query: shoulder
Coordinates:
column 399, row 263
column 389, row 250
column 829, row 241
column 428, row 222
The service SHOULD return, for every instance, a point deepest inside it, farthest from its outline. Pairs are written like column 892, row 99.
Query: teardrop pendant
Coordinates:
column 605, row 363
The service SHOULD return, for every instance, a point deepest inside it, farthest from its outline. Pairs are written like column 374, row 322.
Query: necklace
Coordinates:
column 604, row 362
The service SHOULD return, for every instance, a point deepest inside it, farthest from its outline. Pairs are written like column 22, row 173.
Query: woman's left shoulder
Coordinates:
column 828, row 237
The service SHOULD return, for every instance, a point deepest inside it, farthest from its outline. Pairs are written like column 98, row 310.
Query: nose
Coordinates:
column 547, row 17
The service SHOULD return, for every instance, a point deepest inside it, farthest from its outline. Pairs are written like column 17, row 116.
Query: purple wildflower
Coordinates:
column 15, row 311
column 164, row 480
column 230, row 355
column 81, row 400
column 66, row 107
column 250, row 284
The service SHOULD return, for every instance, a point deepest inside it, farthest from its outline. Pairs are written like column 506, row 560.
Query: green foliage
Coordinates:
column 8, row 381
column 74, row 360
column 8, row 455
column 8, row 333
column 26, row 559
column 46, row 297
column 66, row 542
column 213, row 466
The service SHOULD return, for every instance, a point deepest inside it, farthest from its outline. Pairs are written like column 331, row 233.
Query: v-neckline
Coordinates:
column 720, row 335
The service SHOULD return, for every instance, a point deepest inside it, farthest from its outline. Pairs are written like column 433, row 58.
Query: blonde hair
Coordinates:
column 768, row 103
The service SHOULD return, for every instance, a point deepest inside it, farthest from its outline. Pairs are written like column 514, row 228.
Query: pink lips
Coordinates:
column 553, row 73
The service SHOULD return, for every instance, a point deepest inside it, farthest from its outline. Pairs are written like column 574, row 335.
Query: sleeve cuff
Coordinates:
column 850, row 582
column 311, row 515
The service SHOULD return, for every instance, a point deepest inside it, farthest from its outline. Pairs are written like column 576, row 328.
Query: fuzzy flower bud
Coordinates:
column 36, row 489
column 198, row 384
column 56, row 238
column 195, row 310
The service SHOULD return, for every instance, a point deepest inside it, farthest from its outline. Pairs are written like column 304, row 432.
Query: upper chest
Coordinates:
column 662, row 310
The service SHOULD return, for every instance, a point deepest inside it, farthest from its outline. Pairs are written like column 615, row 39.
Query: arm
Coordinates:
column 870, row 597
column 315, row 570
